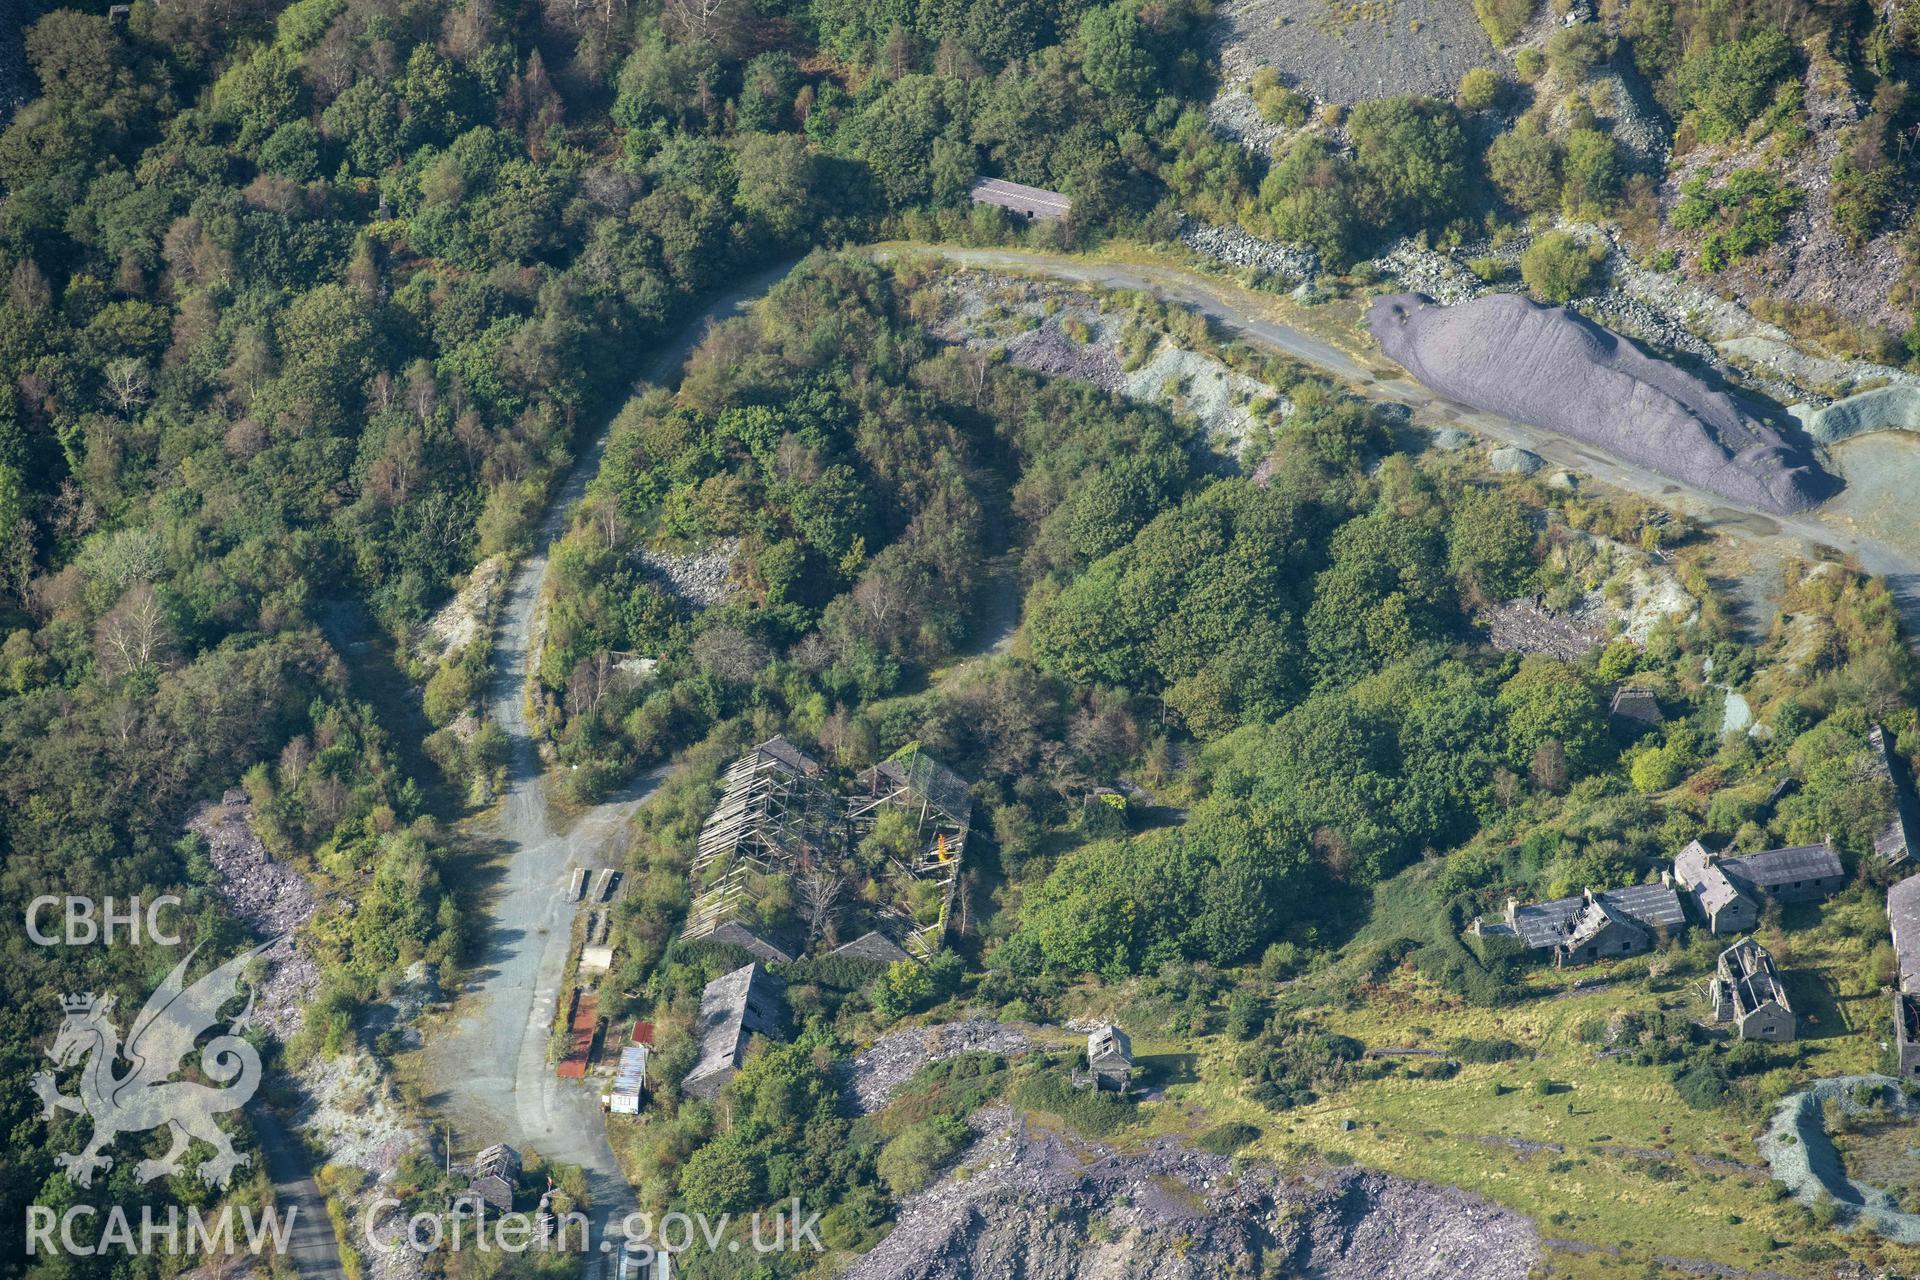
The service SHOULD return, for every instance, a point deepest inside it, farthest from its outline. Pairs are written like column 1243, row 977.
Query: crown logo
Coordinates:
column 82, row 1003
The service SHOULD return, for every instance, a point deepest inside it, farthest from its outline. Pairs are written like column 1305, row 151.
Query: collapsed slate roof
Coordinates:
column 1751, row 978
column 1109, row 1044
column 1552, row 368
column 1546, row 924
column 1595, row 918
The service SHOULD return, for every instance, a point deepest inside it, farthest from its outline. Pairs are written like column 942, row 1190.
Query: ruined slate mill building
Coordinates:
column 937, row 801
column 780, row 820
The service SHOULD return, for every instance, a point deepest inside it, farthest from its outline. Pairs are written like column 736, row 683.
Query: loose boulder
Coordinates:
column 1515, row 462
column 1552, row 368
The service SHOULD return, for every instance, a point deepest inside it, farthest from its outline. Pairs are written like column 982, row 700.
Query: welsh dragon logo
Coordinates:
column 144, row 1096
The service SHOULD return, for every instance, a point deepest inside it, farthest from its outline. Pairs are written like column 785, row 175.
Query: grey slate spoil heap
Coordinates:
column 1552, row 368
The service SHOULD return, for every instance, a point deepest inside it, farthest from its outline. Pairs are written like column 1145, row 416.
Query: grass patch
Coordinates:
column 1503, row 19
column 1225, row 1139
column 1497, row 1049
column 953, row 1087
column 1088, row 1112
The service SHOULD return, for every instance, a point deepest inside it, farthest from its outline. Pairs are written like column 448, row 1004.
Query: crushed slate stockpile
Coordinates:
column 1042, row 1205
column 1551, row 368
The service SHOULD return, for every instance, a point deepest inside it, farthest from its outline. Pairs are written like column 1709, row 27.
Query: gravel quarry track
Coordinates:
column 310, row 1241
column 490, row 1074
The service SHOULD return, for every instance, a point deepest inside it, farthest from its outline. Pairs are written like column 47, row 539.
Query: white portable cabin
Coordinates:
column 629, row 1081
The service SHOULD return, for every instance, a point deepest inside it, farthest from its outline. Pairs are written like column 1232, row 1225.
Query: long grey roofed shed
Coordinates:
column 1903, row 915
column 1900, row 839
column 733, row 1006
column 1776, row 867
column 1033, row 202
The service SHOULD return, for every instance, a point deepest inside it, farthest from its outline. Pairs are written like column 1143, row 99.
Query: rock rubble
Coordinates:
column 1048, row 1206
column 699, row 578
column 1234, row 247
column 877, row 1074
column 270, row 898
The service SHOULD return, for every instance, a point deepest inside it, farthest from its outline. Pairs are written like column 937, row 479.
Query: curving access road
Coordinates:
column 490, row 1074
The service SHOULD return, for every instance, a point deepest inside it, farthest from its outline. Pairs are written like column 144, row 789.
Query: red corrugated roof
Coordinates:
column 586, row 1016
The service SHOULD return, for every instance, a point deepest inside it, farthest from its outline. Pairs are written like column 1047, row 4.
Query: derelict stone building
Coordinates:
column 1903, row 919
column 1899, row 840
column 1729, row 893
column 1748, row 993
column 1110, row 1058
column 1594, row 926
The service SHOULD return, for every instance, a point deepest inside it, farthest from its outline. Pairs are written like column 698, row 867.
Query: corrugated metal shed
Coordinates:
column 580, row 1031
column 1030, row 202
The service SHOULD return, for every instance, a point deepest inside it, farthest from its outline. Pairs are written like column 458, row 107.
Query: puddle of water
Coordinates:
column 1745, row 521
